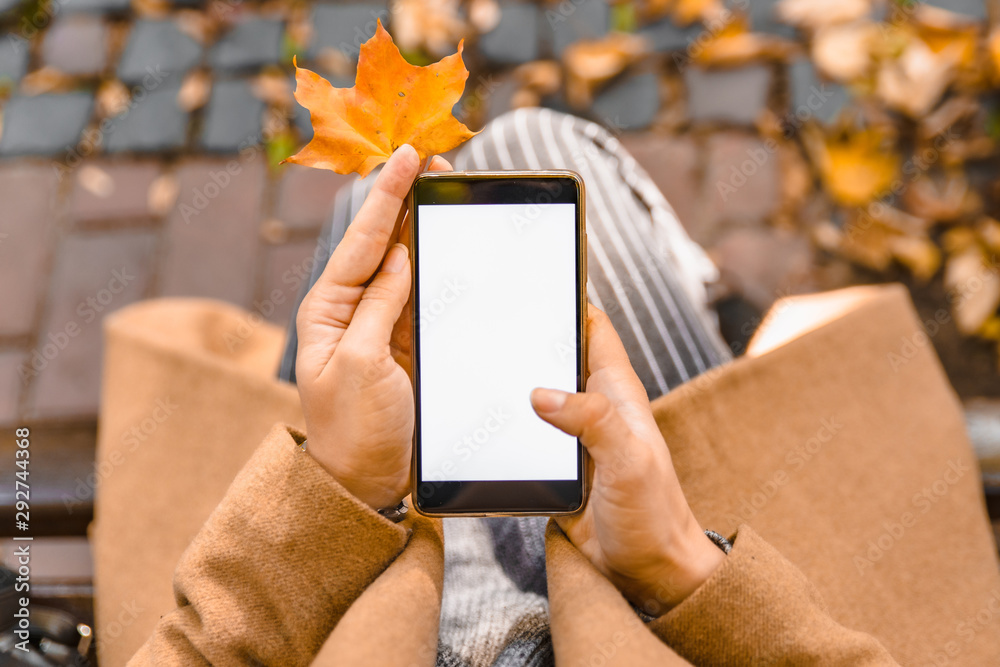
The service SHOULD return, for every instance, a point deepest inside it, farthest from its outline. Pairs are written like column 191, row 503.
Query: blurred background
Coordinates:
column 807, row 144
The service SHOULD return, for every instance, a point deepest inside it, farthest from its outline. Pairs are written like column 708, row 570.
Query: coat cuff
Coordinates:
column 280, row 559
column 755, row 601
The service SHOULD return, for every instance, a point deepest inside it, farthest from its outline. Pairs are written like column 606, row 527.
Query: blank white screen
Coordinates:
column 497, row 291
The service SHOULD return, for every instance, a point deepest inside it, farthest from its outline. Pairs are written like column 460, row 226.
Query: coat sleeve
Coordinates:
column 274, row 568
column 758, row 608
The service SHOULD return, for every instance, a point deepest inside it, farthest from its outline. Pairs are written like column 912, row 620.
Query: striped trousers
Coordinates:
column 643, row 269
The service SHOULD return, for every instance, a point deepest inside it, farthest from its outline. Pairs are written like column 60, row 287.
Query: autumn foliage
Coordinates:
column 391, row 103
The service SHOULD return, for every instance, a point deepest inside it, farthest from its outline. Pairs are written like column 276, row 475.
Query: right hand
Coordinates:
column 637, row 527
column 353, row 358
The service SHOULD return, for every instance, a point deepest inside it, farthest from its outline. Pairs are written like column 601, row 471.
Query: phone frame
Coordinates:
column 489, row 494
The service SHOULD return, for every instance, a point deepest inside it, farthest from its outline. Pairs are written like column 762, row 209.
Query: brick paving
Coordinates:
column 136, row 135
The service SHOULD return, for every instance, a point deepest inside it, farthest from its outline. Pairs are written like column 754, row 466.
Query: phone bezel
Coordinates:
column 494, row 498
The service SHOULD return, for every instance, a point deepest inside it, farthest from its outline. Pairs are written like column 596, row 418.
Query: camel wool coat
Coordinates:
column 834, row 452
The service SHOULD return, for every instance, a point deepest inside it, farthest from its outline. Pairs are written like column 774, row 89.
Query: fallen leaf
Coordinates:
column 543, row 77
column 974, row 287
column 942, row 198
column 47, row 79
column 273, row 87
column 392, row 103
column 590, row 63
column 484, row 15
column 735, row 45
column 681, row 12
column 989, row 231
column 855, row 166
column 162, row 194
column 914, row 81
column 96, row 181
column 814, row 14
column 917, row 253
column 429, row 25
column 112, row 98
column 194, row 92
column 844, row 51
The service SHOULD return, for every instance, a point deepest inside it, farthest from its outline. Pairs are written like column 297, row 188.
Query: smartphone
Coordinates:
column 499, row 263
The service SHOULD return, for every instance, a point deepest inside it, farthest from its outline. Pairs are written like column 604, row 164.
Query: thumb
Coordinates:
column 381, row 303
column 591, row 417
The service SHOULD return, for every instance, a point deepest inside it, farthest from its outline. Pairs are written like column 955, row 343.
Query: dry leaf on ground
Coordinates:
column 430, row 25
column 856, row 165
column 392, row 103
column 814, row 14
column 735, row 45
column 844, row 51
column 974, row 287
column 590, row 63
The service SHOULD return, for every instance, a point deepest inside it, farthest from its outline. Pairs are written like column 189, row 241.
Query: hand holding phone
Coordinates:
column 353, row 361
column 637, row 527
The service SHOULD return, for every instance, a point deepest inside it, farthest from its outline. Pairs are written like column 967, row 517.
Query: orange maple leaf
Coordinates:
column 391, row 103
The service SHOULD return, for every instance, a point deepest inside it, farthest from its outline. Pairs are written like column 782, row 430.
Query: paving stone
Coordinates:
column 212, row 233
column 740, row 187
column 10, row 385
column 28, row 193
column 76, row 44
column 630, row 103
column 728, row 95
column 344, row 27
column 286, row 272
column 233, row 118
column 157, row 46
column 13, row 57
column 153, row 123
column 44, row 124
column 515, row 39
column 305, row 195
column 764, row 263
column 251, row 43
column 666, row 36
column 94, row 275
column 672, row 163
column 975, row 9
column 573, row 21
column 101, row 6
column 112, row 190
column 812, row 97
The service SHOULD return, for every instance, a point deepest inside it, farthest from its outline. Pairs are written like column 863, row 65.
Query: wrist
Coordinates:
column 689, row 564
column 375, row 493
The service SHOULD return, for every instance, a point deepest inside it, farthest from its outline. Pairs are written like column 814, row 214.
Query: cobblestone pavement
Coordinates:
column 140, row 141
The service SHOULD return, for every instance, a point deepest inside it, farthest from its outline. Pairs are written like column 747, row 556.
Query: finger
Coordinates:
column 381, row 304
column 360, row 252
column 438, row 163
column 590, row 417
column 607, row 356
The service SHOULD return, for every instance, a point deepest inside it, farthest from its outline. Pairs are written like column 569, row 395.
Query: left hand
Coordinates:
column 637, row 527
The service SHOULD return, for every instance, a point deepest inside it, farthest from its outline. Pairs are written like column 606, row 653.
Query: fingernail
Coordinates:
column 548, row 400
column 396, row 259
column 408, row 153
